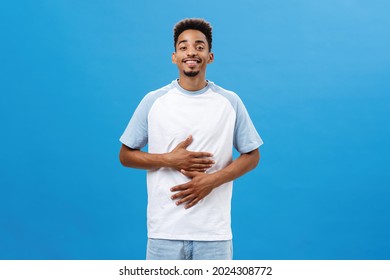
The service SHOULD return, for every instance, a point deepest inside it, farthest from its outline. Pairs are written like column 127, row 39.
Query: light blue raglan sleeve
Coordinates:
column 246, row 137
column 135, row 135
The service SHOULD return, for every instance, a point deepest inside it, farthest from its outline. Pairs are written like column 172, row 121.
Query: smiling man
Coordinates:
column 191, row 127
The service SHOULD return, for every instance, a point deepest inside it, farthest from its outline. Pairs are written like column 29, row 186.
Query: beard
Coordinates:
column 191, row 73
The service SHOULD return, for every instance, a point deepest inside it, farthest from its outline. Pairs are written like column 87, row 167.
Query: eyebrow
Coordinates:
column 197, row 42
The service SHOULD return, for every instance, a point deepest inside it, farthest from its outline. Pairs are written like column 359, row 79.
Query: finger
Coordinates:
column 184, row 144
column 187, row 199
column 181, row 187
column 194, row 167
column 201, row 154
column 189, row 174
column 192, row 203
column 181, row 195
column 187, row 142
column 205, row 161
column 202, row 170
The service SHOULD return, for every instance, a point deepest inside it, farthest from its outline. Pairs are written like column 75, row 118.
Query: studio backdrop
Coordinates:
column 314, row 76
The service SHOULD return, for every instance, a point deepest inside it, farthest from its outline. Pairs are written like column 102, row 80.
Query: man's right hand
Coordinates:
column 180, row 158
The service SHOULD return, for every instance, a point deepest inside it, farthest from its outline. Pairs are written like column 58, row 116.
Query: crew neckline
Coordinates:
column 188, row 92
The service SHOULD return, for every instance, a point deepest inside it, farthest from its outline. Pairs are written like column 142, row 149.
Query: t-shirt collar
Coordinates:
column 197, row 92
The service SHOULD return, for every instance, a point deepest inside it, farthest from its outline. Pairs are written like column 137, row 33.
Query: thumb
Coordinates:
column 187, row 142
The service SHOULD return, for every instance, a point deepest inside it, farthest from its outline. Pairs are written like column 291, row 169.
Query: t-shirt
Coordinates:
column 218, row 121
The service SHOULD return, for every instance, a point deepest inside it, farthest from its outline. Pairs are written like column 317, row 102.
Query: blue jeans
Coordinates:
column 163, row 249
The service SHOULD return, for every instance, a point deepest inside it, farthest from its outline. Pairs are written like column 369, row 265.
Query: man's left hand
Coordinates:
column 195, row 190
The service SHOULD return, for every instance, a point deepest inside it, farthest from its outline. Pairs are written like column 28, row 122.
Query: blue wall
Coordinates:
column 313, row 74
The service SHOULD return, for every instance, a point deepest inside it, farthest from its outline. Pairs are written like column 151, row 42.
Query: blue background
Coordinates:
column 314, row 76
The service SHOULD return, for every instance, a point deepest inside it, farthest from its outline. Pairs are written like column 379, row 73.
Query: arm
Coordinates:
column 202, row 184
column 179, row 158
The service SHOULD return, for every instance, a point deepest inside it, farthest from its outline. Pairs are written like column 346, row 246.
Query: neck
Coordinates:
column 192, row 83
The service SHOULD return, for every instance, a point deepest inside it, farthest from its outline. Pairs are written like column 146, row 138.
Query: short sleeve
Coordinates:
column 246, row 137
column 135, row 135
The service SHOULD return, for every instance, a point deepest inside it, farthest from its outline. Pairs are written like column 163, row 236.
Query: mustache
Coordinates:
column 192, row 58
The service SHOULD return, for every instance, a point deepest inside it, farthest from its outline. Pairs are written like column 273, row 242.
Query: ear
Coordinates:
column 211, row 57
column 174, row 58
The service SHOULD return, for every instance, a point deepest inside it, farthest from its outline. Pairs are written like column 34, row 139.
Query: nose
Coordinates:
column 191, row 52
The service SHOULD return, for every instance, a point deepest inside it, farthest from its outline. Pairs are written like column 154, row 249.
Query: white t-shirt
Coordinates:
column 217, row 120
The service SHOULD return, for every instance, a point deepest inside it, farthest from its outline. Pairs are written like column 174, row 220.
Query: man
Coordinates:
column 190, row 126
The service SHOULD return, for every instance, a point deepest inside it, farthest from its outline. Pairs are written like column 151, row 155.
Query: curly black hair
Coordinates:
column 195, row 24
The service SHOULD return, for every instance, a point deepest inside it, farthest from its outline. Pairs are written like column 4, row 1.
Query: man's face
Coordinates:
column 192, row 53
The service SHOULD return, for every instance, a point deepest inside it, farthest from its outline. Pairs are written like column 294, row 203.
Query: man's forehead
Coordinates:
column 192, row 35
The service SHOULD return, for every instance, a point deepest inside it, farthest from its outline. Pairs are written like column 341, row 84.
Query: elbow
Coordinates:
column 122, row 157
column 128, row 156
column 255, row 154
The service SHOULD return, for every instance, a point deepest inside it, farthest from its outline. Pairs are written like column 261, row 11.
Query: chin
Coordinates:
column 191, row 73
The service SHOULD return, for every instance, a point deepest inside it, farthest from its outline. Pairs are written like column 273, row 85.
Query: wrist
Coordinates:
column 217, row 178
column 165, row 160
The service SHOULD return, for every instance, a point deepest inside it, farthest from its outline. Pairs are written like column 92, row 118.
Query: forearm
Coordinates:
column 243, row 164
column 202, row 184
column 142, row 160
column 179, row 158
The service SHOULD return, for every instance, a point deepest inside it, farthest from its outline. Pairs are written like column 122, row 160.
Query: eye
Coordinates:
column 200, row 48
column 182, row 48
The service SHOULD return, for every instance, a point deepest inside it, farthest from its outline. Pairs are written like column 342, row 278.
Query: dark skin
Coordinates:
column 202, row 184
column 179, row 158
column 192, row 55
column 192, row 45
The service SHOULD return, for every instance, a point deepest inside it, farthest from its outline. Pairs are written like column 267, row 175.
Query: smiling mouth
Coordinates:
column 191, row 62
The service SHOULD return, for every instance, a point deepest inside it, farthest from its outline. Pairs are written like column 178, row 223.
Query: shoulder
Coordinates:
column 151, row 97
column 231, row 96
column 155, row 94
column 223, row 91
